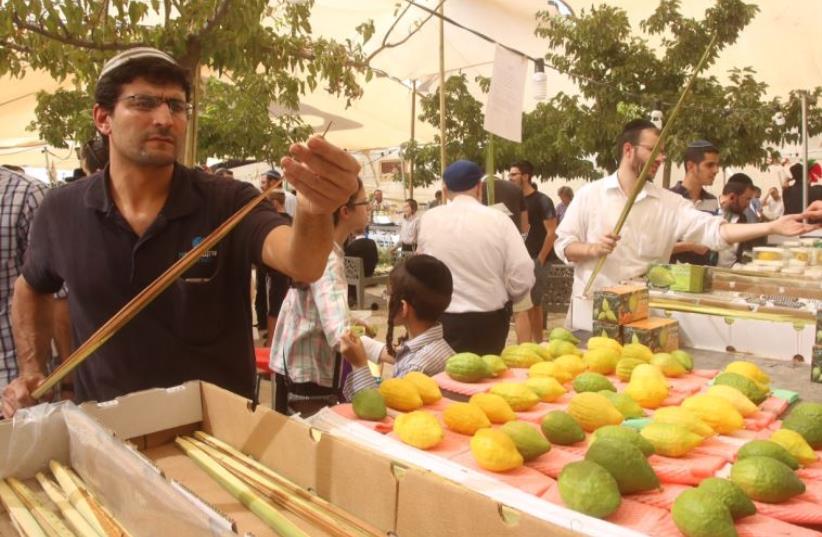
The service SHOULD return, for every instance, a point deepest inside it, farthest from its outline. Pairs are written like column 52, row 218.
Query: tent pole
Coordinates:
column 804, row 150
column 413, row 125
column 442, row 89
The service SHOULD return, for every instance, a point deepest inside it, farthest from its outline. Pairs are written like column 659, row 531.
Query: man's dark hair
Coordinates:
column 438, row 194
column 348, row 203
column 734, row 187
column 153, row 70
column 796, row 172
column 524, row 167
column 412, row 203
column 630, row 134
column 741, row 178
column 425, row 283
column 16, row 169
column 696, row 151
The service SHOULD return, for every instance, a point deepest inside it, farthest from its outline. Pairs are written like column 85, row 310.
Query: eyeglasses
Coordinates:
column 651, row 148
column 147, row 103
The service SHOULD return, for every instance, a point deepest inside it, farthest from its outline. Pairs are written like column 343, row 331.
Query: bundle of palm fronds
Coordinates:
column 264, row 492
column 83, row 515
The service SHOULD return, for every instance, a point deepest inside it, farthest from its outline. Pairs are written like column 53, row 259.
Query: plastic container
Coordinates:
column 803, row 255
column 765, row 255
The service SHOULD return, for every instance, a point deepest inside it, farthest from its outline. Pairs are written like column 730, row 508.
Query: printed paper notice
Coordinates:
column 503, row 111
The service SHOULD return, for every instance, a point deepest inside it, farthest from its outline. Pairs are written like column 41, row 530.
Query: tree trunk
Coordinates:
column 666, row 174
column 190, row 154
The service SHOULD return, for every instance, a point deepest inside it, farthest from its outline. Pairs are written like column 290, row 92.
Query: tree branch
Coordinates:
column 212, row 24
column 67, row 40
column 16, row 47
column 167, row 14
column 406, row 38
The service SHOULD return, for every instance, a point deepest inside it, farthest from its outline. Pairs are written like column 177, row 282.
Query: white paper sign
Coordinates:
column 503, row 111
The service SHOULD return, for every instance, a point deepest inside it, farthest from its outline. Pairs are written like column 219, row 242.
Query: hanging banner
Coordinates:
column 503, row 111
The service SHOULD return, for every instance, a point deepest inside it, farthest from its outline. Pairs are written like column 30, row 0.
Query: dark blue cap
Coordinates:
column 273, row 174
column 462, row 175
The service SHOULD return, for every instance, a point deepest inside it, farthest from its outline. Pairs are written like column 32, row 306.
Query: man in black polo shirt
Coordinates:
column 542, row 220
column 701, row 167
column 110, row 235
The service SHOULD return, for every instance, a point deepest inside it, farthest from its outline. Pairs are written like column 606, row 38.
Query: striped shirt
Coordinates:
column 20, row 196
column 310, row 324
column 425, row 353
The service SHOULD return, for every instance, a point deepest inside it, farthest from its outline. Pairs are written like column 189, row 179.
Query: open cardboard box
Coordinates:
column 392, row 497
column 125, row 482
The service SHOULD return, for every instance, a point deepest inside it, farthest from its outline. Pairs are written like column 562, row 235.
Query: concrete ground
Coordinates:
column 784, row 374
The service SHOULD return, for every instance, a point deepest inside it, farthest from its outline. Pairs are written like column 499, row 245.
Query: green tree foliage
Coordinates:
column 265, row 48
column 613, row 66
column 622, row 74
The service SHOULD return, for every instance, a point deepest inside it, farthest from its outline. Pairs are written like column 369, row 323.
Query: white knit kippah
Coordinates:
column 134, row 54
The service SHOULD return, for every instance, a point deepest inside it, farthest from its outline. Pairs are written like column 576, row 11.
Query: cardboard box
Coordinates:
column 621, row 305
column 660, row 335
column 344, row 474
column 816, row 364
column 677, row 277
column 124, row 481
column 392, row 496
column 613, row 331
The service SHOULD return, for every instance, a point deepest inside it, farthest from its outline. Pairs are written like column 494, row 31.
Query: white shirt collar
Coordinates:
column 650, row 189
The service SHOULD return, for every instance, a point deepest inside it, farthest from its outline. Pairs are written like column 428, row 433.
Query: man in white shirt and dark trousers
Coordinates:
column 657, row 220
column 486, row 256
column 409, row 227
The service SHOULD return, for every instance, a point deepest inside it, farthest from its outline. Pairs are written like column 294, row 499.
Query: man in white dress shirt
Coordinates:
column 486, row 256
column 657, row 220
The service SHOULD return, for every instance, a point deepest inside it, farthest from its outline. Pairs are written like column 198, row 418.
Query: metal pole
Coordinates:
column 804, row 150
column 413, row 128
column 442, row 89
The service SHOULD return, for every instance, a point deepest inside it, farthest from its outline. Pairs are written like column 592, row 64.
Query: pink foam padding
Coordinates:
column 679, row 474
column 795, row 511
column 776, row 425
column 346, row 411
column 518, row 373
column 715, row 446
column 552, row 463
column 744, row 434
column 759, row 525
column 707, row 373
column 638, row 516
column 688, row 383
column 775, row 405
column 666, row 528
column 699, row 464
column 630, row 514
column 523, row 478
column 675, row 398
column 759, row 420
column 813, row 492
column 451, row 445
column 813, row 474
column 664, row 498
column 537, row 412
column 438, row 406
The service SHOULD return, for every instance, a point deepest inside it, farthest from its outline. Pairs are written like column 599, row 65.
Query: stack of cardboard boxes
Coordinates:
column 621, row 313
